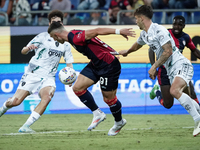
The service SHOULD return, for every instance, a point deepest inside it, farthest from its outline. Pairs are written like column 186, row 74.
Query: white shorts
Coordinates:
column 33, row 83
column 182, row 68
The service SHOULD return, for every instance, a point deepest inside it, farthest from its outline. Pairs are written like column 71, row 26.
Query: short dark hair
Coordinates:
column 55, row 13
column 54, row 25
column 144, row 10
column 180, row 17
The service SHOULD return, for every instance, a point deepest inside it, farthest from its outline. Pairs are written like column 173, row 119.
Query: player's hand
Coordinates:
column 32, row 46
column 123, row 53
column 127, row 32
column 152, row 73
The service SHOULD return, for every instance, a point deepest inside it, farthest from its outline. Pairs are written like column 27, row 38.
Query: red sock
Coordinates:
column 161, row 102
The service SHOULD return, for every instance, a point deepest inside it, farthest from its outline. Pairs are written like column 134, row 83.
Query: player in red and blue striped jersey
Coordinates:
column 103, row 67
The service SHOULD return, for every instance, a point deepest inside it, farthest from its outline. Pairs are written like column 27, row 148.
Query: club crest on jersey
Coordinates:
column 56, row 43
column 184, row 42
column 23, row 83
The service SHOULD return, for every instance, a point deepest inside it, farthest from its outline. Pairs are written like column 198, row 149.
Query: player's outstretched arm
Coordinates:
column 89, row 34
column 196, row 52
column 124, row 53
column 27, row 49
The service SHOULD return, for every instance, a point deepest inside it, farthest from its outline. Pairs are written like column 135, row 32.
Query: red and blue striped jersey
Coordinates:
column 95, row 49
column 182, row 40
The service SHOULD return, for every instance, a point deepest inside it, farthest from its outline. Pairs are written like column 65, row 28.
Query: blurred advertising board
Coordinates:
column 133, row 91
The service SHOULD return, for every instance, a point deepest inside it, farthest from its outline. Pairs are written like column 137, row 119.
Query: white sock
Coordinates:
column 119, row 122
column 33, row 117
column 96, row 112
column 196, row 106
column 187, row 103
column 4, row 107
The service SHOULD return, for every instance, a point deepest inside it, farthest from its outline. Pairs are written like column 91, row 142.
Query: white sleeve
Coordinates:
column 163, row 36
column 140, row 41
column 68, row 57
column 37, row 40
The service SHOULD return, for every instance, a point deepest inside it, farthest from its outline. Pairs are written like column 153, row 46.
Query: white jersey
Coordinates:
column 156, row 37
column 47, row 55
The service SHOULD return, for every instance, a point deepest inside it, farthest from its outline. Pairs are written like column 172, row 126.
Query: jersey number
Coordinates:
column 103, row 81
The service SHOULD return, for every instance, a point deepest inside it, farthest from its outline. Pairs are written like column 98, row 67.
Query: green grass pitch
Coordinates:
column 69, row 132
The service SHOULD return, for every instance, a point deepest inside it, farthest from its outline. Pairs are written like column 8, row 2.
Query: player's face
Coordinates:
column 139, row 22
column 177, row 26
column 55, row 19
column 57, row 37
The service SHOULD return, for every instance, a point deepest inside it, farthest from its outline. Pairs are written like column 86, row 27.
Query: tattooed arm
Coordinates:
column 165, row 55
column 163, row 58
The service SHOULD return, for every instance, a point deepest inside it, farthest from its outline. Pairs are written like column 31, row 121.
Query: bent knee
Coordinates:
column 46, row 98
column 110, row 102
column 174, row 92
column 14, row 101
column 168, row 106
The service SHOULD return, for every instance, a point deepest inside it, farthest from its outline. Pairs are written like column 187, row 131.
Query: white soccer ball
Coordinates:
column 67, row 75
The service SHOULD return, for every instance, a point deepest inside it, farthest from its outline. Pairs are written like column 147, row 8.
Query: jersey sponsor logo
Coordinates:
column 55, row 53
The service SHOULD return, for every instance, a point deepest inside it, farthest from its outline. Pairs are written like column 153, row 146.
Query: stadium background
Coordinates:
column 134, row 82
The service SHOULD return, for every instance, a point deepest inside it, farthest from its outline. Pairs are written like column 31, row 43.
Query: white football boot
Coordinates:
column 117, row 127
column 25, row 129
column 96, row 120
column 196, row 128
column 1, row 111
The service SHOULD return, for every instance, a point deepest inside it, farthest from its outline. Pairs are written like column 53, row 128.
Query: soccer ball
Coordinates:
column 67, row 75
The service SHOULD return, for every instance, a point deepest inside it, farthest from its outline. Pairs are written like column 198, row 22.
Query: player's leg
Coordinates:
column 115, row 107
column 16, row 100
column 109, row 84
column 46, row 95
column 163, row 94
column 187, row 91
column 84, row 80
column 181, row 80
column 192, row 92
column 167, row 98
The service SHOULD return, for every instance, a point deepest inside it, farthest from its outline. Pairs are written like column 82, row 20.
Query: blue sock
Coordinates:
column 116, row 110
column 159, row 96
column 88, row 100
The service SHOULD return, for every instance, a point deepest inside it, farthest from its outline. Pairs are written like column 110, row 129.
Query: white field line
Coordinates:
column 50, row 132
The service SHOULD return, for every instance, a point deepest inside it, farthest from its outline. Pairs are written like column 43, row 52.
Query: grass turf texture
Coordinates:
column 69, row 132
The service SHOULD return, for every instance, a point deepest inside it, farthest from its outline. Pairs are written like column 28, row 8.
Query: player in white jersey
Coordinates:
column 179, row 69
column 40, row 74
